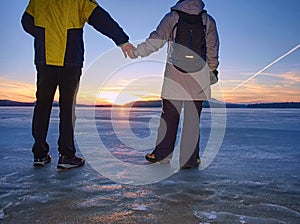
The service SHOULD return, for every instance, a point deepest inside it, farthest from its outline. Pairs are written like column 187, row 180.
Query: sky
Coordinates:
column 253, row 34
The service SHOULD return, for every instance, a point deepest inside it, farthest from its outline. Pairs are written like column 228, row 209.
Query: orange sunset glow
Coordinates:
column 265, row 88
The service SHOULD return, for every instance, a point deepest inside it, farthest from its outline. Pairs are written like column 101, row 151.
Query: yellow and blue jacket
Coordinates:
column 57, row 28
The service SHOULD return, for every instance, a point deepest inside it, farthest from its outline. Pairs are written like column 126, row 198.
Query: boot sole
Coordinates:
column 65, row 166
column 41, row 164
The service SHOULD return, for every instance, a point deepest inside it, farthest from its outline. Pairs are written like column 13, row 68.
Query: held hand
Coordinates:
column 128, row 50
column 132, row 55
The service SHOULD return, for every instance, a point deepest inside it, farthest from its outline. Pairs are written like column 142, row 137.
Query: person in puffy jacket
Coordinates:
column 180, row 88
column 57, row 29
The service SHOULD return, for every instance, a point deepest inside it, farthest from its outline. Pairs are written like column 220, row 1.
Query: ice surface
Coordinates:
column 254, row 178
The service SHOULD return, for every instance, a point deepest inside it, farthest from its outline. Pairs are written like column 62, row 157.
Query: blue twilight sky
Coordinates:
column 252, row 34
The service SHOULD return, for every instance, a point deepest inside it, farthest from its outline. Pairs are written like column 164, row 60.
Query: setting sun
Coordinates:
column 118, row 98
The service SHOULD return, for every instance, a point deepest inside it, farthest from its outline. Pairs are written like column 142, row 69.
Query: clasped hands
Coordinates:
column 127, row 50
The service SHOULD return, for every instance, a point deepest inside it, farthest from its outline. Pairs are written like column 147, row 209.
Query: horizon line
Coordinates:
column 149, row 101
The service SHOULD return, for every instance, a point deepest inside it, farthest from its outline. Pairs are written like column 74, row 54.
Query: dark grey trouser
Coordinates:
column 167, row 131
column 48, row 79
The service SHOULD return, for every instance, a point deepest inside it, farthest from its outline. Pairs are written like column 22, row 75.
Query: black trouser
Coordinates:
column 167, row 131
column 48, row 79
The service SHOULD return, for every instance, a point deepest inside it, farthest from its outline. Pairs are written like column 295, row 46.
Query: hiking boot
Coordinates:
column 66, row 163
column 40, row 162
column 152, row 159
column 189, row 166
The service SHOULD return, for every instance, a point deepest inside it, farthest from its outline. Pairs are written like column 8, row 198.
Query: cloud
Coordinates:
column 292, row 78
column 17, row 91
column 267, row 87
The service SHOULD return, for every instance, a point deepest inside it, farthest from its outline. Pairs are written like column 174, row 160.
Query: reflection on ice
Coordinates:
column 94, row 188
column 219, row 217
column 138, row 207
column 1, row 214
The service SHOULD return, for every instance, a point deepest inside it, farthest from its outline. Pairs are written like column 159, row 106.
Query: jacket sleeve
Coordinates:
column 212, row 44
column 105, row 24
column 157, row 38
column 28, row 19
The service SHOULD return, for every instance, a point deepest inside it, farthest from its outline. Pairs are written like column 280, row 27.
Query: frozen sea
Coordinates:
column 254, row 177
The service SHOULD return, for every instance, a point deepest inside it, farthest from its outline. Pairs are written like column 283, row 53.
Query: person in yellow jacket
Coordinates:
column 57, row 28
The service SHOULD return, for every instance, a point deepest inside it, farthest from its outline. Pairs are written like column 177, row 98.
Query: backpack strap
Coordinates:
column 173, row 32
column 204, row 19
column 172, row 37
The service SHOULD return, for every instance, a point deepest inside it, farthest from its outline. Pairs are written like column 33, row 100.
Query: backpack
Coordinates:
column 188, row 52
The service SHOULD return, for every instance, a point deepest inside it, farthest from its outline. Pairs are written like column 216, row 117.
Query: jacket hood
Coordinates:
column 193, row 7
